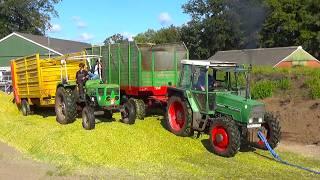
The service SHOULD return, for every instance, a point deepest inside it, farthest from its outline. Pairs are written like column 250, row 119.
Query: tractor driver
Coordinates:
column 81, row 76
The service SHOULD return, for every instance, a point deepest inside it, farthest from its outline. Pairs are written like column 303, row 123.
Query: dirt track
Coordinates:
column 299, row 119
column 13, row 165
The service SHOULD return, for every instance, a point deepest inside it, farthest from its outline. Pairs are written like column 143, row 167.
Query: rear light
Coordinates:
column 101, row 91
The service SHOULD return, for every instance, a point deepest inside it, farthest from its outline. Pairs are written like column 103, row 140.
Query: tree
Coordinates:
column 29, row 16
column 292, row 23
column 165, row 35
column 214, row 26
column 146, row 37
column 116, row 38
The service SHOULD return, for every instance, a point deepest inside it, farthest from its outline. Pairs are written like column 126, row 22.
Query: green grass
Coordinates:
column 144, row 150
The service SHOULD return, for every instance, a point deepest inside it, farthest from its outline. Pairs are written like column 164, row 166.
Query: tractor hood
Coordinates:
column 241, row 109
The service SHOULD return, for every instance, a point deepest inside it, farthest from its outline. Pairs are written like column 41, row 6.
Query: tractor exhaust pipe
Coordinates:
column 248, row 96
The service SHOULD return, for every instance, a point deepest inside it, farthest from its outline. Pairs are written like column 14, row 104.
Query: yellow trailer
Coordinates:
column 35, row 79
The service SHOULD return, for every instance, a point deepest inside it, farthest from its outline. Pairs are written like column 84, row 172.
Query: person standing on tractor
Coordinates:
column 81, row 76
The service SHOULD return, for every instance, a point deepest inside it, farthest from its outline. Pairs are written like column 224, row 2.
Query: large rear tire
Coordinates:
column 140, row 107
column 25, row 107
column 128, row 113
column 178, row 117
column 88, row 119
column 272, row 131
column 65, row 106
column 224, row 137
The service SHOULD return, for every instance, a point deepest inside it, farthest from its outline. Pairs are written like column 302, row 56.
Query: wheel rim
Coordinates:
column 24, row 109
column 266, row 132
column 61, row 107
column 125, row 113
column 220, row 138
column 85, row 119
column 176, row 116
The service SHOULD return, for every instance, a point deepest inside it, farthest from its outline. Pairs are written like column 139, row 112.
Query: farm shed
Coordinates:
column 276, row 57
column 17, row 45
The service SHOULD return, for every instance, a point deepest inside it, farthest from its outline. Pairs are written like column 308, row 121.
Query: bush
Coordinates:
column 283, row 84
column 314, row 86
column 262, row 89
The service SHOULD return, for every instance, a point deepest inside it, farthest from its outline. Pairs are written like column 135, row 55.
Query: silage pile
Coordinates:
column 7, row 107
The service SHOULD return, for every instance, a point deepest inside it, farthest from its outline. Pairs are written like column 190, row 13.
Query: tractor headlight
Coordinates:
column 116, row 98
column 250, row 120
column 260, row 119
column 108, row 98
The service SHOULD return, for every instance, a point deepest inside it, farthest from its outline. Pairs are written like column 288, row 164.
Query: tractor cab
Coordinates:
column 216, row 84
column 214, row 97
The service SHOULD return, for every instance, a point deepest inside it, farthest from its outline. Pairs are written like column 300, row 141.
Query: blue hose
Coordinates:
column 277, row 157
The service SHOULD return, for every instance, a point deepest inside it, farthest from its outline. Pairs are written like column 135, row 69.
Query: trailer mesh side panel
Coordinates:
column 160, row 64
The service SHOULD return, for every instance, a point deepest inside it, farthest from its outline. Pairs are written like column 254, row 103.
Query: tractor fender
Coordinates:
column 69, row 86
column 173, row 91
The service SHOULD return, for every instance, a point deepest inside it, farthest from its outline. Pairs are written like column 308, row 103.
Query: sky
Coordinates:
column 95, row 20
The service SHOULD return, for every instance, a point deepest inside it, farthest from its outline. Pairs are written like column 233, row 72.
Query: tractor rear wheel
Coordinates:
column 128, row 113
column 140, row 107
column 25, row 107
column 178, row 117
column 88, row 119
column 224, row 137
column 272, row 131
column 65, row 106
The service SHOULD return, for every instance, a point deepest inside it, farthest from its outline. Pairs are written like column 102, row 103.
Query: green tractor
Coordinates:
column 214, row 97
column 98, row 97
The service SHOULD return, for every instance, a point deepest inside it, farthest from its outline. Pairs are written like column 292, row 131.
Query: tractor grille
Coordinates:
column 257, row 112
column 110, row 90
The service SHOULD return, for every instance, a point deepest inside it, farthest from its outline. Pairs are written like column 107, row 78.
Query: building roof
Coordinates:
column 261, row 56
column 58, row 46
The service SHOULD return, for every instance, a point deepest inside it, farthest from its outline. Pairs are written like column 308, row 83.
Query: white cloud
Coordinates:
column 79, row 22
column 164, row 18
column 128, row 36
column 55, row 28
column 75, row 18
column 85, row 37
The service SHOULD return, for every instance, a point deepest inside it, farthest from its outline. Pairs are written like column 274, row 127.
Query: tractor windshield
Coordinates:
column 233, row 79
column 229, row 79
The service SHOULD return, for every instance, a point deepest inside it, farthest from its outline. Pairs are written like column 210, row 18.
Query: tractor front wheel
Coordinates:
column 65, row 106
column 128, row 113
column 88, row 119
column 271, row 130
column 178, row 117
column 224, row 137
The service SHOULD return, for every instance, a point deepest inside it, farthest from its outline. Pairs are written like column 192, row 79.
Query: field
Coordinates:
column 144, row 150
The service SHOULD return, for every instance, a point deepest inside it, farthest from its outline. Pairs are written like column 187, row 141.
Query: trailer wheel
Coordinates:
column 178, row 117
column 128, row 113
column 140, row 107
column 224, row 137
column 25, row 107
column 65, row 106
column 88, row 119
column 272, row 131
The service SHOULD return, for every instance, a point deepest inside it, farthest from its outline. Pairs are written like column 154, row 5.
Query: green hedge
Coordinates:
column 262, row 89
column 267, row 81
